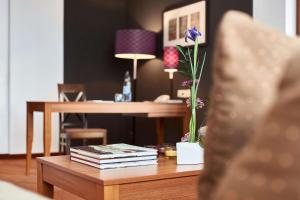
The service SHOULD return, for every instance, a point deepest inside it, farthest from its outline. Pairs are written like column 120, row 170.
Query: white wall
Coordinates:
column 36, row 66
column 3, row 76
column 280, row 14
column 291, row 17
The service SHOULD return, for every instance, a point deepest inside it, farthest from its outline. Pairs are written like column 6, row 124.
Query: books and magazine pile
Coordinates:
column 114, row 155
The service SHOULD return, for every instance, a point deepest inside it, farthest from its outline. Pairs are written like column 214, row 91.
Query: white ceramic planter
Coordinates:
column 189, row 153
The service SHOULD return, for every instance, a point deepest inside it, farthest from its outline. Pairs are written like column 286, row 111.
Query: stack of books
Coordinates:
column 114, row 155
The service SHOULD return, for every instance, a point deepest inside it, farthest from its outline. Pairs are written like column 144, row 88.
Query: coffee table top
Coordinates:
column 166, row 168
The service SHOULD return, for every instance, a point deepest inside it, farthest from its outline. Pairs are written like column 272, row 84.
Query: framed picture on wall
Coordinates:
column 178, row 20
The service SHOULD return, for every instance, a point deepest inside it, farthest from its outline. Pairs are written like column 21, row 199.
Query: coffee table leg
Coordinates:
column 29, row 138
column 43, row 187
column 111, row 192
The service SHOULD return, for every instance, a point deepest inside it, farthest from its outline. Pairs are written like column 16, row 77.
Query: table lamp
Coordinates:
column 171, row 57
column 135, row 44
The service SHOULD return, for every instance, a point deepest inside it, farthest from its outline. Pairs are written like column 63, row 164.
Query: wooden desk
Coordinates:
column 163, row 181
column 139, row 109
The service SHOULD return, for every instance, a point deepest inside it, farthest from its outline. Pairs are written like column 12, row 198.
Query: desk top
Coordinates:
column 166, row 168
column 91, row 102
column 152, row 109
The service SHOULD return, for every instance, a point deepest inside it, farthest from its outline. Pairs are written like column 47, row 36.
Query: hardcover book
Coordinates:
column 111, row 160
column 113, row 151
column 116, row 165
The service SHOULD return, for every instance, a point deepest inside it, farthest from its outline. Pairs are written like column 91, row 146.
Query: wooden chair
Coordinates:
column 77, row 127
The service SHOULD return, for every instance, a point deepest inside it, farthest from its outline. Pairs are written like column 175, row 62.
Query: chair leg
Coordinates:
column 61, row 145
column 68, row 145
column 84, row 142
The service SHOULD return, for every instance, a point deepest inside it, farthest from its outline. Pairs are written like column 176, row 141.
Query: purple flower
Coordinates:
column 188, row 102
column 192, row 34
column 188, row 83
column 199, row 103
column 185, row 138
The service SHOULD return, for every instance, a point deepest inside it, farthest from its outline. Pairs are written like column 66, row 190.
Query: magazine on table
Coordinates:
column 115, row 165
column 111, row 160
column 113, row 151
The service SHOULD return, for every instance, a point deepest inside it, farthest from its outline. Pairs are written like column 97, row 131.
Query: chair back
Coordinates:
column 67, row 91
column 71, row 93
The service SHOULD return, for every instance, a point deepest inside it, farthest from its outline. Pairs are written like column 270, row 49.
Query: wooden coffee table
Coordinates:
column 163, row 181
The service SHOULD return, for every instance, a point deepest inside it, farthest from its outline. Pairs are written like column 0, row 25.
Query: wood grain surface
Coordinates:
column 167, row 180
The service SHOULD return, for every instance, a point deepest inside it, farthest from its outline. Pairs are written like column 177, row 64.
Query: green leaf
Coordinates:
column 180, row 49
column 202, row 66
column 195, row 57
column 184, row 73
column 182, row 61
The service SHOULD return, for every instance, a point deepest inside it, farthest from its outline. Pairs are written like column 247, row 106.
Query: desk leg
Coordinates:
column 43, row 187
column 160, row 129
column 47, row 132
column 29, row 139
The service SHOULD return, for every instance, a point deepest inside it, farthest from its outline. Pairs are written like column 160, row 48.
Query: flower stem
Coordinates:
column 192, row 125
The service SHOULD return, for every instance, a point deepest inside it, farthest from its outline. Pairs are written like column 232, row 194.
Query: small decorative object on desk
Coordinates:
column 163, row 147
column 170, row 152
column 189, row 150
column 127, row 95
column 118, row 97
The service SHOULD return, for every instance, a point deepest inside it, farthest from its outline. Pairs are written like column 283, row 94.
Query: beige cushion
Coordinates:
column 248, row 64
column 9, row 191
column 269, row 167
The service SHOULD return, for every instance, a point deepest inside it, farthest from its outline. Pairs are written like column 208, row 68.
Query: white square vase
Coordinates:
column 189, row 153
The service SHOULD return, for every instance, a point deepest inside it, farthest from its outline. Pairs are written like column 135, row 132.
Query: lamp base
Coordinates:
column 171, row 77
column 171, row 88
column 171, row 72
column 134, row 85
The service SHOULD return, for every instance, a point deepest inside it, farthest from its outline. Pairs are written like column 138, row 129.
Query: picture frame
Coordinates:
column 177, row 20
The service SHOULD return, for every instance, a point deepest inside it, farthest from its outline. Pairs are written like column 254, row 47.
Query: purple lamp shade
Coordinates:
column 171, row 57
column 135, row 44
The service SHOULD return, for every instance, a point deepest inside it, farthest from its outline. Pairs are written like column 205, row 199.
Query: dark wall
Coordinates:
column 89, row 34
column 90, row 27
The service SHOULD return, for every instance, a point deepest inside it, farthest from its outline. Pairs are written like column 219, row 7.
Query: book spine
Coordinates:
column 113, row 160
column 86, row 163
column 108, row 156
column 116, row 165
